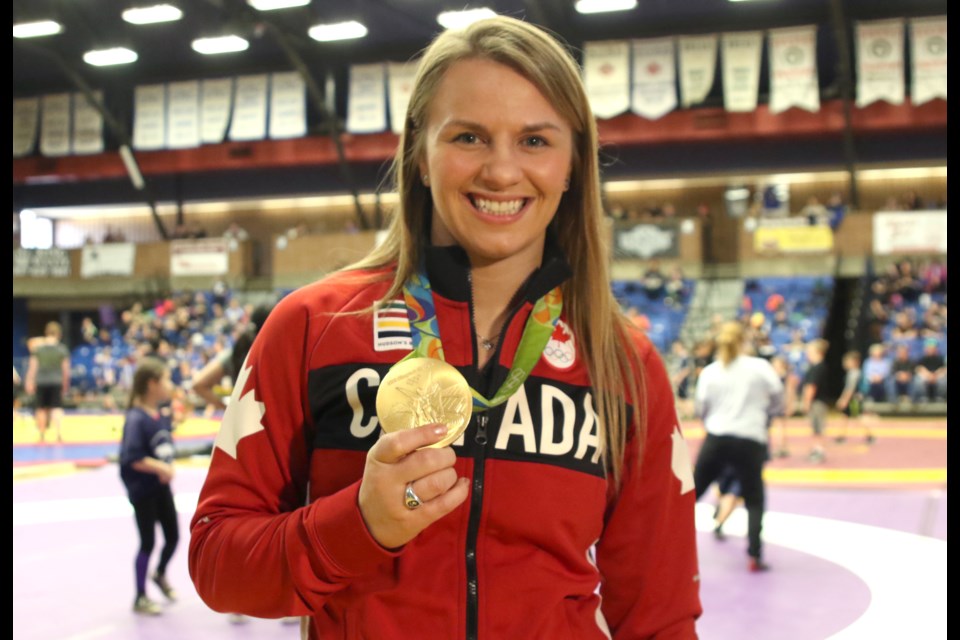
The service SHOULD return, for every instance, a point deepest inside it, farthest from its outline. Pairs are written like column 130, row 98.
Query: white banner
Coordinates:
column 909, row 232
column 793, row 69
column 741, row 69
column 55, row 124
column 149, row 117
column 606, row 76
column 203, row 257
column 928, row 49
column 698, row 64
column 26, row 116
column 288, row 105
column 41, row 263
column 400, row 77
column 654, row 77
column 367, row 99
column 250, row 108
column 216, row 99
column 87, row 125
column 111, row 259
column 880, row 62
column 183, row 115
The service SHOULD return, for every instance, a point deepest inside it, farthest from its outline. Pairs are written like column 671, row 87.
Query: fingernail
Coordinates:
column 440, row 430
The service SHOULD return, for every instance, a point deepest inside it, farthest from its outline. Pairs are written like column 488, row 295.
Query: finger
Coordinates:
column 446, row 502
column 423, row 462
column 434, row 485
column 394, row 446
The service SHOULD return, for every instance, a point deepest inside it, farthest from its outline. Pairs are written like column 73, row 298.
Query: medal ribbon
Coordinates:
column 425, row 332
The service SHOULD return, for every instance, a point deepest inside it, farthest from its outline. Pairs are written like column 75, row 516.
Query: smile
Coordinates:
column 498, row 208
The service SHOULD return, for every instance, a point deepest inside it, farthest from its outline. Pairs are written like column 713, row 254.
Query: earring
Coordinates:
column 566, row 184
column 426, row 180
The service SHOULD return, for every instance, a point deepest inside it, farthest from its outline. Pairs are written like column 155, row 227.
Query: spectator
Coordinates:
column 836, row 211
column 815, row 396
column 236, row 232
column 931, row 373
column 903, row 370
column 48, row 378
column 88, row 331
column 877, row 370
column 933, row 276
column 676, row 288
column 850, row 401
column 815, row 212
column 653, row 281
column 912, row 201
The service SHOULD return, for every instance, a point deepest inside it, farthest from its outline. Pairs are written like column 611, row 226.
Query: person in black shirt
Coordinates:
column 815, row 401
column 931, row 371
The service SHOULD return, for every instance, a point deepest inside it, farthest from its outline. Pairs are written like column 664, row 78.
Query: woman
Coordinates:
column 48, row 378
column 558, row 492
column 736, row 395
column 146, row 468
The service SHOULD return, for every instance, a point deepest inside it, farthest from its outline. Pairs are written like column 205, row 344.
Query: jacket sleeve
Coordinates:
column 254, row 547
column 647, row 554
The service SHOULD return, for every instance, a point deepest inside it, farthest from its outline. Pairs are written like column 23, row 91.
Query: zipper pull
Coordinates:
column 481, row 437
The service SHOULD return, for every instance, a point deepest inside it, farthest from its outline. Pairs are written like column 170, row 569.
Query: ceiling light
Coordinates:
column 107, row 57
column 603, row 6
column 270, row 5
column 222, row 44
column 338, row 31
column 459, row 19
column 151, row 15
column 36, row 29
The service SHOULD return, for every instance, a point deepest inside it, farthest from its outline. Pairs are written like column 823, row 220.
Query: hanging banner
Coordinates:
column 793, row 69
column 87, row 124
column 216, row 100
column 400, row 77
column 26, row 115
column 183, row 115
column 288, row 105
column 55, row 124
column 203, row 257
column 660, row 240
column 367, row 99
column 111, row 259
column 654, row 77
column 149, row 117
column 741, row 70
column 606, row 75
column 698, row 64
column 909, row 232
column 250, row 108
column 41, row 263
column 791, row 235
column 928, row 51
column 880, row 62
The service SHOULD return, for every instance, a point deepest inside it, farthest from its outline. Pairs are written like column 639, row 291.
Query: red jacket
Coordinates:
column 540, row 549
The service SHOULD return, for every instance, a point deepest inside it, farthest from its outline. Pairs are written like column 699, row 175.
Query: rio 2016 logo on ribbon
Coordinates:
column 561, row 351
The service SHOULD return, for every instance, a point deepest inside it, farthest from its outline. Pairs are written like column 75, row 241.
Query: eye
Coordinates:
column 467, row 138
column 535, row 141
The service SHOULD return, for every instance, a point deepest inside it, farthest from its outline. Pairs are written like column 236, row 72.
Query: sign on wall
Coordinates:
column 203, row 257
column 647, row 241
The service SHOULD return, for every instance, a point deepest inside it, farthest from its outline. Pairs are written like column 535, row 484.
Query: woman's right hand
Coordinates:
column 396, row 460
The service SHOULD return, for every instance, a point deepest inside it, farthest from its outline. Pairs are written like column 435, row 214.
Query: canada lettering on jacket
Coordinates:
column 546, row 421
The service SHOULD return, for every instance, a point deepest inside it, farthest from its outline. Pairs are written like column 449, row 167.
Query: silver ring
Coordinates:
column 410, row 499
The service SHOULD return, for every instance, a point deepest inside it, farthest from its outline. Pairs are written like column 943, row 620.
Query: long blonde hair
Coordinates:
column 729, row 341
column 602, row 330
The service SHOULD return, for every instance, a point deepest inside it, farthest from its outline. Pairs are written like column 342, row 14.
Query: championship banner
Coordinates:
column 928, row 51
column 367, row 99
column 400, row 77
column 741, row 69
column 216, row 100
column 909, row 232
column 87, row 125
column 55, row 124
column 698, row 64
column 202, row 257
column 880, row 62
column 183, row 115
column 41, row 263
column 792, row 235
column 288, row 106
column 149, row 117
column 249, row 120
column 111, row 259
column 654, row 77
column 26, row 115
column 606, row 76
column 793, row 69
column 644, row 240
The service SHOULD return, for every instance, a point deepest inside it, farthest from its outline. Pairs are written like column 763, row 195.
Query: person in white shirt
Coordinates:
column 736, row 396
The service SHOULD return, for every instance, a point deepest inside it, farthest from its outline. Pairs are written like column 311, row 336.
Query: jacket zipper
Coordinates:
column 473, row 527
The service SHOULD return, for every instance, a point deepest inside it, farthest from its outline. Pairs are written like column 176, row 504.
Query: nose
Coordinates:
column 501, row 167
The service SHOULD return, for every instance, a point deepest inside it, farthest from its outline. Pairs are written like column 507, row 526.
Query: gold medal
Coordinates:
column 423, row 391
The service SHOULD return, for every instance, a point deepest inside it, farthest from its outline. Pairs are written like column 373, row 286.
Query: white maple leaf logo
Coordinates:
column 243, row 416
column 680, row 461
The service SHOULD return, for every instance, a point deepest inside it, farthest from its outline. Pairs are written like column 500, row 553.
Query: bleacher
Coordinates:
column 665, row 318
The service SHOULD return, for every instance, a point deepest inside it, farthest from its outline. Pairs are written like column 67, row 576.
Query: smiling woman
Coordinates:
column 532, row 523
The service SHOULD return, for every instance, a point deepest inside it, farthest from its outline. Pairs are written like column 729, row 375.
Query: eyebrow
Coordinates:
column 469, row 124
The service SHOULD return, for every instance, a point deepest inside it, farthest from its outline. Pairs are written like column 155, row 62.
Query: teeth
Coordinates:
column 498, row 208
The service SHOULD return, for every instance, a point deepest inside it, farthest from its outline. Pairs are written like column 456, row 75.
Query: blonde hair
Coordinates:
column 729, row 341
column 589, row 304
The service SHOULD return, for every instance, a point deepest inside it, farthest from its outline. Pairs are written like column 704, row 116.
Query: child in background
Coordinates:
column 814, row 395
column 782, row 367
column 146, row 468
column 850, row 401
